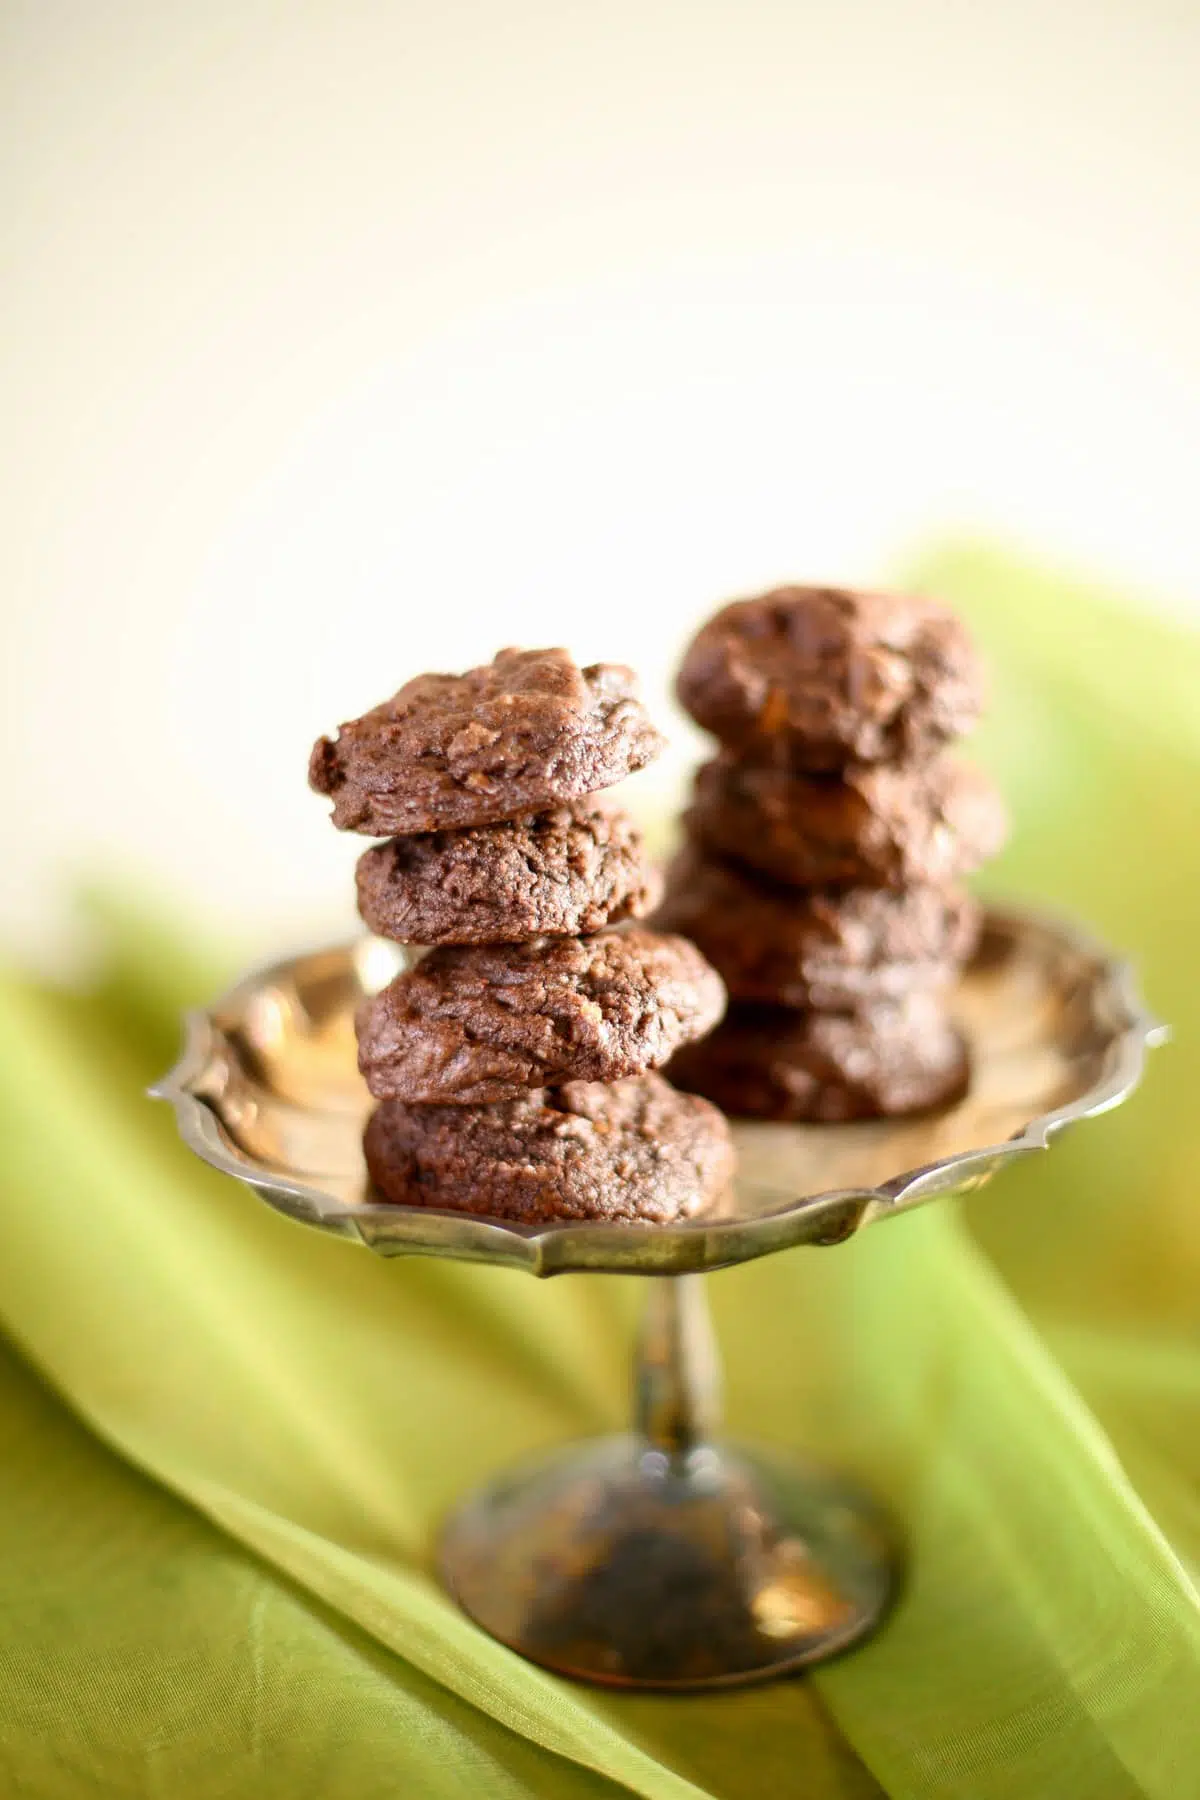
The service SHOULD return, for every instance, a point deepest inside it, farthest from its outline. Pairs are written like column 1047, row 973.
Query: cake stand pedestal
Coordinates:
column 668, row 1557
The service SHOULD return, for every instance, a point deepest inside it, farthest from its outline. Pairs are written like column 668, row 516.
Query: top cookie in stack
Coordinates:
column 826, row 842
column 513, row 1060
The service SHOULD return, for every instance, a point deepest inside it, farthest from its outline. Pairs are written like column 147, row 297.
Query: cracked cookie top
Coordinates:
column 517, row 735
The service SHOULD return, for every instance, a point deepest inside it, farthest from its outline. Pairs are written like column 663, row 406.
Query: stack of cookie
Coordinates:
column 825, row 844
column 513, row 1060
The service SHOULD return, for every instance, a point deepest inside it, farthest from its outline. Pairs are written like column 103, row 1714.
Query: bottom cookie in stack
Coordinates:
column 617, row 1151
column 837, row 994
column 516, row 1080
column 775, row 1062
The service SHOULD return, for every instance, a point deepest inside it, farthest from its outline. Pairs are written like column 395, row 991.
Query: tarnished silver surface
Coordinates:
column 268, row 1091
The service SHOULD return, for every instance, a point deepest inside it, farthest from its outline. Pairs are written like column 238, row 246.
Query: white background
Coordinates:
column 343, row 340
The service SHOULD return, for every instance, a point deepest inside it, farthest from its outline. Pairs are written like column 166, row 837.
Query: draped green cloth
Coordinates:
column 228, row 1439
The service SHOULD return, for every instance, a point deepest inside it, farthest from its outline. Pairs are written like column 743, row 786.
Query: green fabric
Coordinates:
column 1020, row 1377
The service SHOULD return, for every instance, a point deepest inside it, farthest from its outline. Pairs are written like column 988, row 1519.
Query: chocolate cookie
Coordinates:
column 768, row 1063
column 825, row 676
column 520, row 734
column 569, row 871
column 482, row 1022
column 840, row 949
column 620, row 1151
column 874, row 825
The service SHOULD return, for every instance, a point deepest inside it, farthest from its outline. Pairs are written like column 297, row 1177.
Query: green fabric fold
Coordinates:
column 1020, row 1377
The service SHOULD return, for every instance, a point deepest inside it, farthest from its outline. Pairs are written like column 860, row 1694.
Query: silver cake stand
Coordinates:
column 667, row 1557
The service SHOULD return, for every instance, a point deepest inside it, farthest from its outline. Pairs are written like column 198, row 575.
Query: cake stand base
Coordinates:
column 667, row 1558
column 614, row 1562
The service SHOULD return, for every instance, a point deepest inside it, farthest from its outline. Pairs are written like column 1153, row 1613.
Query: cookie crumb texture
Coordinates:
column 517, row 735
column 480, row 1023
column 625, row 1151
column 838, row 949
column 826, row 676
column 873, row 825
column 562, row 873
column 769, row 1063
